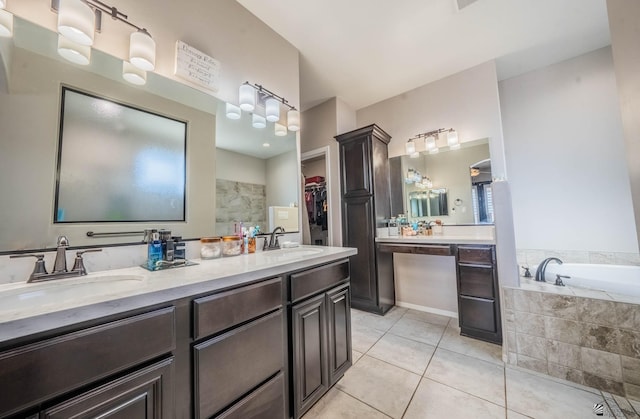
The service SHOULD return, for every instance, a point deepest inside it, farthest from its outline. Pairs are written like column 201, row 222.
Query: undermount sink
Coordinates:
column 64, row 290
column 292, row 253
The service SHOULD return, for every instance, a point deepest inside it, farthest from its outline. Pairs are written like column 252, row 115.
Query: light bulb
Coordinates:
column 76, row 21
column 232, row 111
column 247, row 97
column 142, row 50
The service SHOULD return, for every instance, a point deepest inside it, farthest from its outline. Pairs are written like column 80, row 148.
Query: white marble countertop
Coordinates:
column 27, row 309
column 438, row 239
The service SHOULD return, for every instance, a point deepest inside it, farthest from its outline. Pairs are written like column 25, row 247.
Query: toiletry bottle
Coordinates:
column 179, row 248
column 251, row 242
column 154, row 250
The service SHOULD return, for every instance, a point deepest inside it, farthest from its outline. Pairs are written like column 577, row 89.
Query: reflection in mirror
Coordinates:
column 481, row 192
column 449, row 172
column 31, row 76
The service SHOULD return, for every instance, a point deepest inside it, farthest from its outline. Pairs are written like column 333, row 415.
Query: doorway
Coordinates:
column 317, row 193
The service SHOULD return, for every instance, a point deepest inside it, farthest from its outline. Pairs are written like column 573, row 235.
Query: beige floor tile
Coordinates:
column 471, row 375
column 486, row 351
column 374, row 321
column 418, row 331
column 383, row 386
column 435, row 400
column 428, row 317
column 404, row 353
column 539, row 397
column 363, row 338
column 338, row 405
column 636, row 405
column 355, row 356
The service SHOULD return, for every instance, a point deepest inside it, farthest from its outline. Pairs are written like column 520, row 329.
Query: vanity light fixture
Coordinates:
column 79, row 20
column 6, row 21
column 430, row 139
column 410, row 146
column 254, row 96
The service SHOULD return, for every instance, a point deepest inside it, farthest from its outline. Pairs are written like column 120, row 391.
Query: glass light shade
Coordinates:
column 430, row 142
column 258, row 121
column 233, row 111
column 452, row 138
column 133, row 74
column 293, row 120
column 247, row 97
column 76, row 21
column 410, row 147
column 280, row 130
column 272, row 109
column 142, row 51
column 71, row 51
column 6, row 23
column 3, row 4
column 455, row 147
column 434, row 150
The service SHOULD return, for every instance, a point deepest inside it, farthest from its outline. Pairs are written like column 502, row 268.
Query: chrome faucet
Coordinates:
column 60, row 265
column 543, row 267
column 40, row 273
column 272, row 243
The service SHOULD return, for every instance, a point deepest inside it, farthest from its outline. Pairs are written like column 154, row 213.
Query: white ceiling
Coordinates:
column 365, row 51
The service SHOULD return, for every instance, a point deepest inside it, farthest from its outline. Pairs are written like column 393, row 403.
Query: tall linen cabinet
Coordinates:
column 364, row 175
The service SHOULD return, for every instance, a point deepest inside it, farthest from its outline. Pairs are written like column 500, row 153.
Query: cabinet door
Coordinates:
column 358, row 227
column 310, row 375
column 339, row 328
column 356, row 167
column 145, row 394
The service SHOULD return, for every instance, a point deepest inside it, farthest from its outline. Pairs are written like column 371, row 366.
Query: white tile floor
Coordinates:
column 410, row 364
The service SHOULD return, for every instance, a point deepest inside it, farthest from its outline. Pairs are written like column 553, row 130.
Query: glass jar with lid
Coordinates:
column 210, row 247
column 231, row 245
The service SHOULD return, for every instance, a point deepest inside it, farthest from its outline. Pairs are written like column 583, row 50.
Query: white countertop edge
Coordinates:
column 162, row 287
column 436, row 240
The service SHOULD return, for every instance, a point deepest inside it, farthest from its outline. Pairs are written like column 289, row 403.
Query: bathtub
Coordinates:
column 616, row 279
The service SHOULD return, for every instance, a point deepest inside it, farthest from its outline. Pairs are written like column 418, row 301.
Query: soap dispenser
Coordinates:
column 154, row 250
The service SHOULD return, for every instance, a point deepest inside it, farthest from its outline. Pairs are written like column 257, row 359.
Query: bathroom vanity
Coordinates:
column 476, row 276
column 262, row 335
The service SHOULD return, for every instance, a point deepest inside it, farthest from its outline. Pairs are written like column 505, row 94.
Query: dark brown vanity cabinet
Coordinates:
column 52, row 371
column 478, row 293
column 364, row 173
column 239, row 367
column 320, row 323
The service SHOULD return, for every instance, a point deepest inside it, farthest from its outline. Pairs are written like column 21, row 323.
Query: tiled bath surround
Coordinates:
column 240, row 201
column 590, row 341
column 532, row 257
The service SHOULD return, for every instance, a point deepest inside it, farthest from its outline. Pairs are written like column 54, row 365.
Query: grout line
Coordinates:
column 363, row 402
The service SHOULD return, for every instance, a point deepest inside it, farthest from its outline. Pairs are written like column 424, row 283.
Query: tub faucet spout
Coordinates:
column 543, row 267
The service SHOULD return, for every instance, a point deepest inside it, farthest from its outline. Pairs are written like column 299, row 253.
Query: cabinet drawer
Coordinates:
column 475, row 255
column 143, row 394
column 218, row 312
column 266, row 402
column 69, row 361
column 476, row 281
column 418, row 249
column 478, row 313
column 312, row 281
column 230, row 365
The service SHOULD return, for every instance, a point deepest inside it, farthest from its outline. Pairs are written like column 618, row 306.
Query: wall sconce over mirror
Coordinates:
column 79, row 20
column 429, row 140
column 265, row 106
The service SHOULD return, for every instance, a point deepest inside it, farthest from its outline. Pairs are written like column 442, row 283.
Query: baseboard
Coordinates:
column 427, row 309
